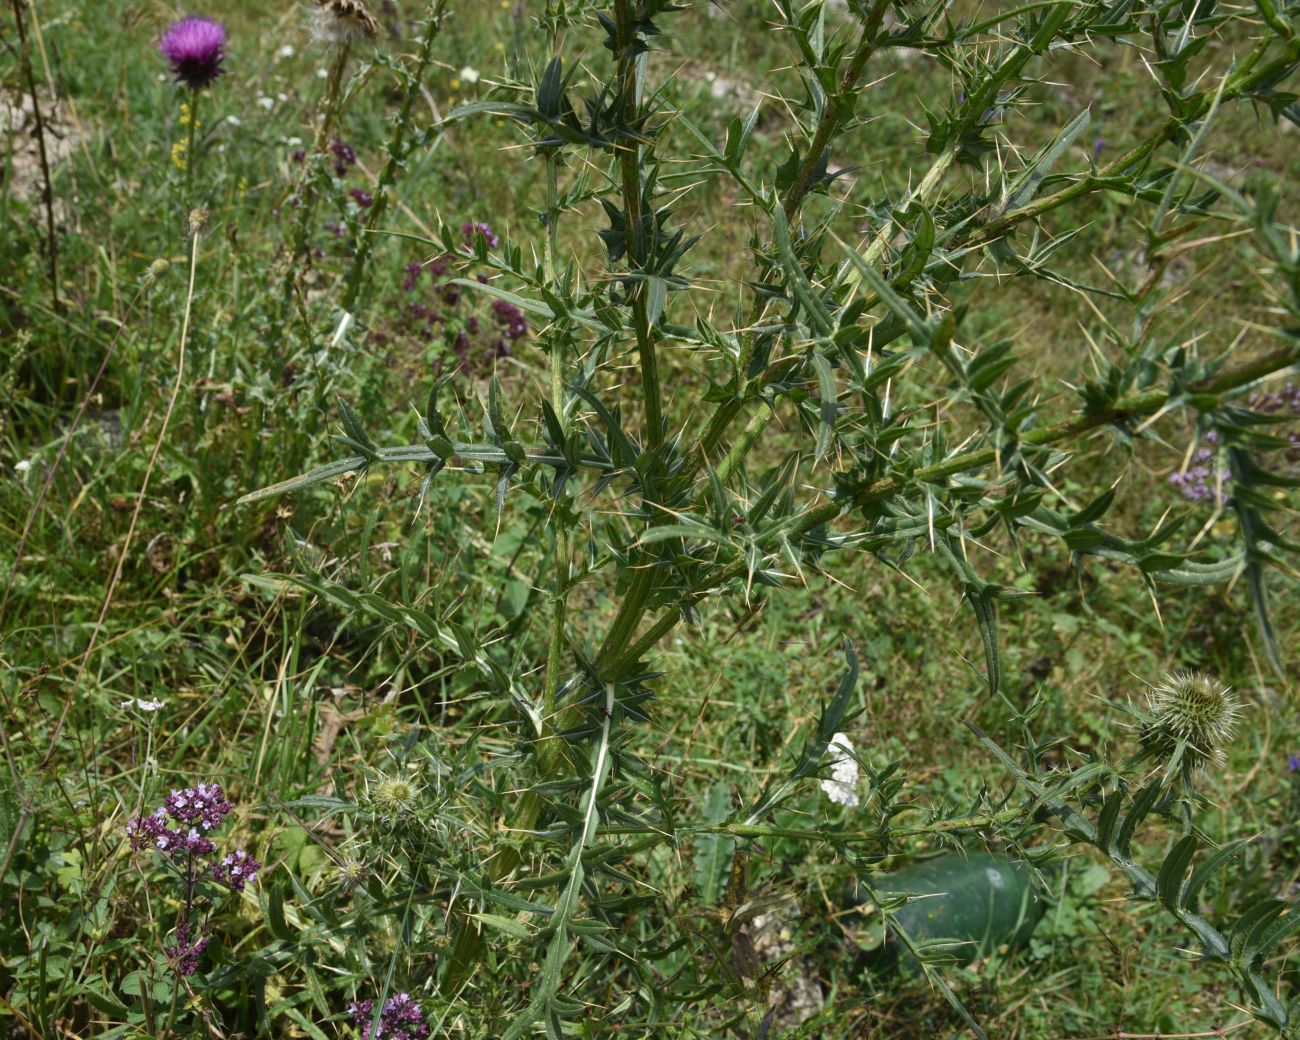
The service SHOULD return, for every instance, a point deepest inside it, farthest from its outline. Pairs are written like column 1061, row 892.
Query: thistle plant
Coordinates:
column 693, row 450
column 195, row 48
column 1192, row 719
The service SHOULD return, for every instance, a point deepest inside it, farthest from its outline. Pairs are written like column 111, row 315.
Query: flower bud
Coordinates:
column 350, row 874
column 393, row 796
column 1192, row 720
column 199, row 220
column 156, row 270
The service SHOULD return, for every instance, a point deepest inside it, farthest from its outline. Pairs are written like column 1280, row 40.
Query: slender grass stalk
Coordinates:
column 198, row 222
column 397, row 153
column 308, row 193
column 68, row 436
column 47, row 183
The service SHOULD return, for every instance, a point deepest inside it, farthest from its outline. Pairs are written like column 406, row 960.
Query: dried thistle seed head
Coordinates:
column 199, row 220
column 1192, row 720
column 337, row 22
column 394, row 796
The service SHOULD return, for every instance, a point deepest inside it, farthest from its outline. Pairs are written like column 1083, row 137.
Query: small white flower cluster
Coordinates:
column 841, row 786
column 135, row 702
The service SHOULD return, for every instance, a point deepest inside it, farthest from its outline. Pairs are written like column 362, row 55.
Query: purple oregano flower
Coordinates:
column 185, row 954
column 195, row 47
column 174, row 831
column 236, row 870
column 472, row 230
column 401, row 1019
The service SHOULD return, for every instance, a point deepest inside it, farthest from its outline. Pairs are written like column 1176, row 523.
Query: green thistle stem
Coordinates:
column 191, row 127
column 397, row 151
column 1146, row 403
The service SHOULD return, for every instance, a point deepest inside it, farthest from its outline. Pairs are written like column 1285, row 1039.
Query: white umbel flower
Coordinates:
column 142, row 705
column 841, row 786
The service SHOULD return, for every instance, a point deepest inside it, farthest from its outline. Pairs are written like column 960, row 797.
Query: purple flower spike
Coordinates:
column 195, row 48
column 185, row 954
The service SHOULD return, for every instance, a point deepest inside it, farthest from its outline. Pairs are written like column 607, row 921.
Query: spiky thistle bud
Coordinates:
column 349, row 874
column 1192, row 719
column 393, row 796
column 199, row 220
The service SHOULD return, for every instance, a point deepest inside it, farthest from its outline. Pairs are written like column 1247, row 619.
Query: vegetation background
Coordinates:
column 141, row 579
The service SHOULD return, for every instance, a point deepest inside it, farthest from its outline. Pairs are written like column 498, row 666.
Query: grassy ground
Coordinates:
column 122, row 594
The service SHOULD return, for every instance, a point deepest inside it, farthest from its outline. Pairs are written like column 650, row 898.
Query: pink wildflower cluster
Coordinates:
column 435, row 313
column 1202, row 479
column 401, row 1019
column 178, row 830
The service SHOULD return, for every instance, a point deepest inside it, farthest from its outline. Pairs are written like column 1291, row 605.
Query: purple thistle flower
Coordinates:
column 195, row 48
column 236, row 870
column 1285, row 401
